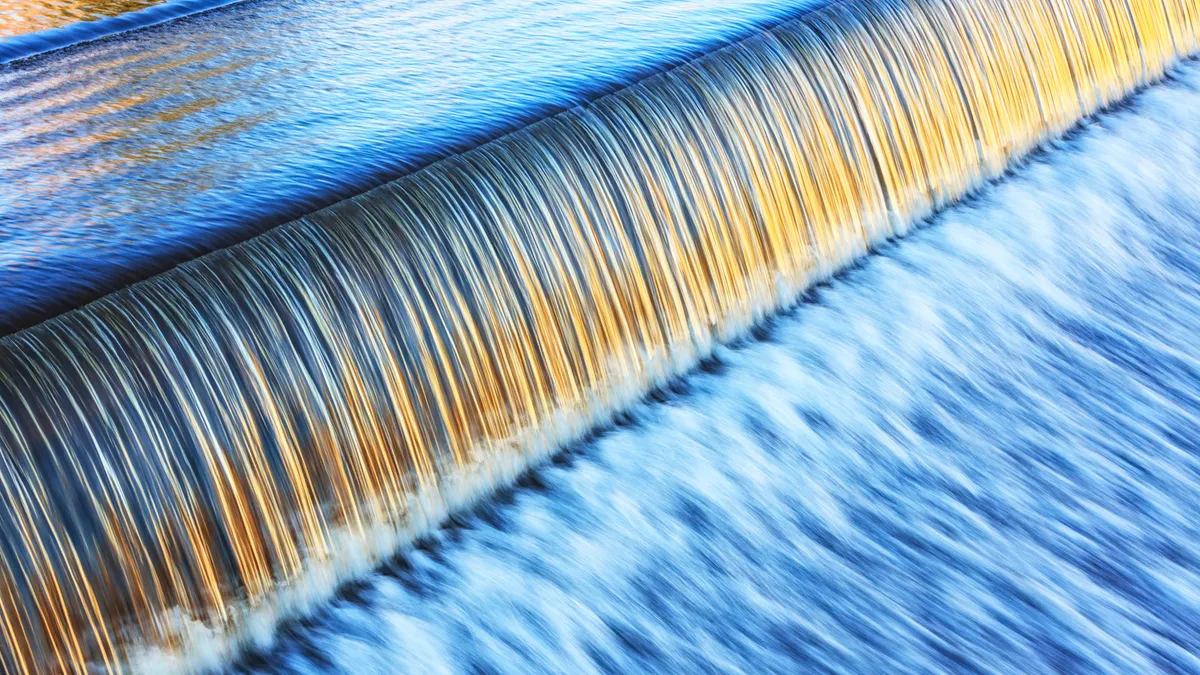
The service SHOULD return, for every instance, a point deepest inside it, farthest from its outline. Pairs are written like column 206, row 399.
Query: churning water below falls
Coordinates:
column 977, row 451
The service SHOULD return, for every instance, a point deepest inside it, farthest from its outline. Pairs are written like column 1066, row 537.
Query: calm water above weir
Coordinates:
column 122, row 157
column 23, row 17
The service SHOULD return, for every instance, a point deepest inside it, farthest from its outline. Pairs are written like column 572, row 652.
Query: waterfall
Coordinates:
column 187, row 460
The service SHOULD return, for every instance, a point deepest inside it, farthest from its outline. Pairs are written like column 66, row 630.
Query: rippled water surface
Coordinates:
column 124, row 156
column 976, row 452
column 20, row 17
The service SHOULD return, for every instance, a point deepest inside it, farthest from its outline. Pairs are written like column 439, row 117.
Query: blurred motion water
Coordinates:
column 976, row 452
column 122, row 157
column 192, row 460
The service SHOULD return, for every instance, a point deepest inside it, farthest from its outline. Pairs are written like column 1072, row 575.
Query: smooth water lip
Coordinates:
column 41, row 42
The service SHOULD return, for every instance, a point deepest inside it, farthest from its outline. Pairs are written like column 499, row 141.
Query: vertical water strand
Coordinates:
column 1184, row 19
column 220, row 446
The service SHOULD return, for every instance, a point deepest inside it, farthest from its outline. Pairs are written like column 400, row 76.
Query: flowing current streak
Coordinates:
column 186, row 461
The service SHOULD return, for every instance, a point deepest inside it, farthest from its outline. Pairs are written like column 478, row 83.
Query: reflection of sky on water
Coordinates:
column 124, row 156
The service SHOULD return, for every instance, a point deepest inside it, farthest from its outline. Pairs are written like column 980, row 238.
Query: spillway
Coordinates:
column 975, row 451
column 188, row 460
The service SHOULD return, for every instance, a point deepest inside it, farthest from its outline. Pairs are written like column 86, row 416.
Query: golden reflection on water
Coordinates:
column 117, row 129
column 19, row 17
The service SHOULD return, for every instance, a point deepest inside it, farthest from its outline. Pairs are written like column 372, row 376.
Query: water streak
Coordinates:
column 190, row 459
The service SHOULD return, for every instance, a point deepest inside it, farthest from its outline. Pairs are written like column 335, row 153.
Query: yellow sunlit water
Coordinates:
column 188, row 459
column 18, row 17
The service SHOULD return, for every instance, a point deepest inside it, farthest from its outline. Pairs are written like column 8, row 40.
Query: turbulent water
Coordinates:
column 975, row 452
column 123, row 157
column 192, row 460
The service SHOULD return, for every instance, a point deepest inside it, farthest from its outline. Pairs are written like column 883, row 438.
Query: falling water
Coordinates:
column 188, row 460
column 975, row 452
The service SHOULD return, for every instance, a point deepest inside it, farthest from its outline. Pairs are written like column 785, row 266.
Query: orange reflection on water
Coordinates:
column 18, row 17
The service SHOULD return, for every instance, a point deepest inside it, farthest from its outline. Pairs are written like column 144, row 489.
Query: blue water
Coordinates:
column 122, row 157
column 979, row 451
